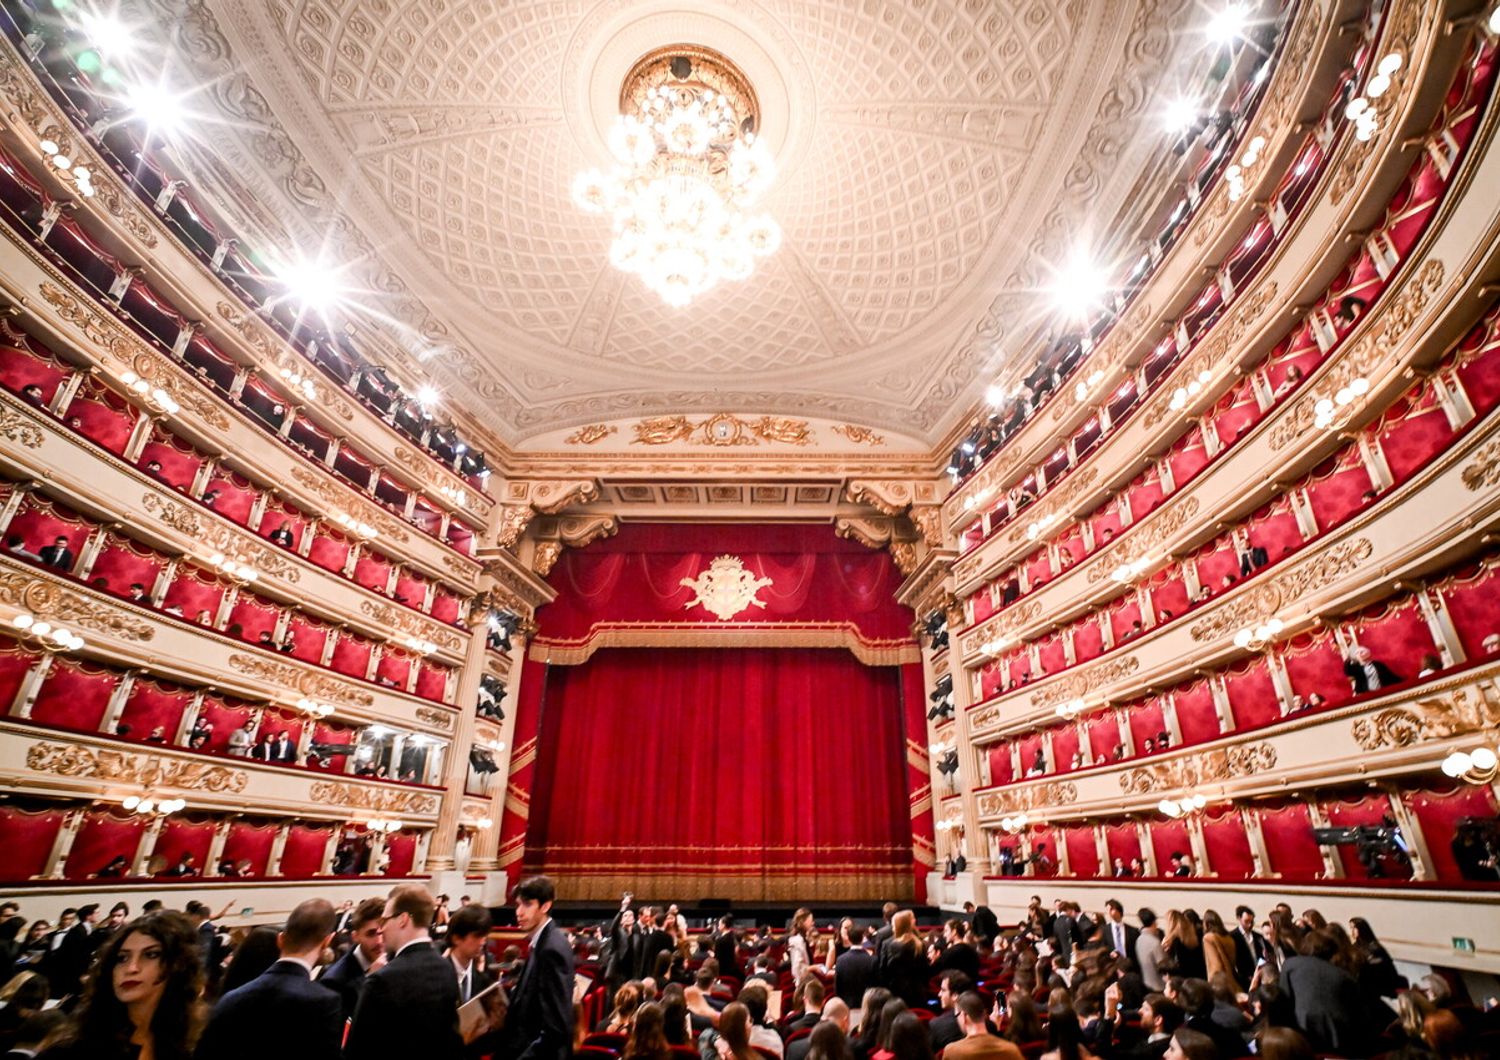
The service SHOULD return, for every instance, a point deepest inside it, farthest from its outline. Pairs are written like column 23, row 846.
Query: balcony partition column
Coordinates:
column 441, row 863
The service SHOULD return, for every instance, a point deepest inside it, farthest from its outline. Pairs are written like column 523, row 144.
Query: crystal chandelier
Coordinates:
column 689, row 169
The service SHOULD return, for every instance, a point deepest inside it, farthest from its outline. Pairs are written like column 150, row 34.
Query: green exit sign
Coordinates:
column 1463, row 945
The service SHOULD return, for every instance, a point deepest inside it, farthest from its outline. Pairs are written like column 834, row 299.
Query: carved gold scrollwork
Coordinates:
column 1080, row 686
column 1189, row 771
column 440, row 719
column 149, row 771
column 178, row 516
column 17, row 428
column 304, row 682
column 1030, row 797
column 1457, row 713
column 1318, row 572
column 376, row 799
column 45, row 599
column 590, row 434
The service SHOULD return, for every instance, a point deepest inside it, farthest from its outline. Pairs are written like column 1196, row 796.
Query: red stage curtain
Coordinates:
column 303, row 853
column 1229, row 855
column 101, row 838
column 26, row 836
column 778, row 768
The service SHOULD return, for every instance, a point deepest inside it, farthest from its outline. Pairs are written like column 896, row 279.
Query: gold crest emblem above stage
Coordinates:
column 726, row 588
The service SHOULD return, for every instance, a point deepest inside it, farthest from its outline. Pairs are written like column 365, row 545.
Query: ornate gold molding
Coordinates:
column 438, row 719
column 376, row 799
column 590, row 434
column 1456, row 713
column 1173, row 518
column 177, row 516
column 1213, row 354
column 296, row 679
column 1059, row 503
column 1029, row 797
column 148, row 771
column 18, row 428
column 402, row 621
column 1219, row 764
column 264, row 342
column 1080, row 686
column 1318, row 572
column 340, row 498
column 721, row 429
column 859, row 435
column 1483, row 471
column 1005, row 624
column 725, row 588
column 46, row 599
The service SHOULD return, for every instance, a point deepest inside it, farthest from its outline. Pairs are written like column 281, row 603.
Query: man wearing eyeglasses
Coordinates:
column 410, row 1007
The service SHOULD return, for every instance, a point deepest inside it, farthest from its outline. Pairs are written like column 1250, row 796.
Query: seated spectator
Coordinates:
column 32, row 395
column 1367, row 673
column 1350, row 309
column 1431, row 664
column 1288, row 383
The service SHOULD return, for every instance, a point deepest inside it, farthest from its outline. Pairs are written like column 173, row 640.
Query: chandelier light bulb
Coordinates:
column 1483, row 759
column 22, row 621
column 1179, row 115
column 131, row 802
column 1457, row 764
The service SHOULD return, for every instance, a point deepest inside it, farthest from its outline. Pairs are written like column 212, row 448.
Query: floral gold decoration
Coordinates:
column 46, row 599
column 591, row 434
column 1080, row 686
column 145, row 770
column 1467, row 710
column 377, row 799
column 1152, row 539
column 546, row 556
column 1225, row 763
column 1317, row 573
column 1483, row 471
column 859, row 435
column 1029, row 797
column 722, row 429
column 304, row 682
column 178, row 516
column 17, row 428
column 725, row 588
column 338, row 498
column 438, row 719
column 1003, row 625
column 400, row 621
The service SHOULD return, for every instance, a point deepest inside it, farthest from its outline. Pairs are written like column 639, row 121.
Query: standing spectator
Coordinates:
column 1325, row 998
column 347, row 975
column 1120, row 936
column 855, row 968
column 1250, row 949
column 903, row 966
column 1183, row 948
column 1218, row 946
column 540, row 1023
column 409, row 1007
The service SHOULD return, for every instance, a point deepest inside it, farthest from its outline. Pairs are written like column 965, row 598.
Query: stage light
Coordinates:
column 1179, row 115
column 311, row 284
column 107, row 33
column 427, row 395
column 1080, row 287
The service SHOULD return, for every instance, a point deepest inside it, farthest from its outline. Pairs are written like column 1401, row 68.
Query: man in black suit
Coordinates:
column 1250, row 946
column 813, row 993
column 1197, row 1001
column 409, row 1007
column 58, row 554
column 540, row 1023
column 346, row 976
column 1120, row 936
column 984, row 921
column 1365, row 672
column 468, row 930
column 957, row 955
column 881, row 936
column 623, row 960
column 283, row 750
column 75, row 953
column 1064, row 935
column 944, row 1030
column 727, row 949
column 653, row 940
column 282, row 1012
column 854, row 971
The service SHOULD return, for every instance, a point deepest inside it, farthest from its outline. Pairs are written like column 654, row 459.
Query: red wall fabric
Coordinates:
column 26, row 836
column 777, row 767
column 627, row 591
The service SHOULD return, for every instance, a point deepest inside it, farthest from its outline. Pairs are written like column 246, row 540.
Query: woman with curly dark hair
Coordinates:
column 143, row 998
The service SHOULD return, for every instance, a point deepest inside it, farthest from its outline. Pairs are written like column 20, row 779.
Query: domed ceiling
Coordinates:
column 931, row 155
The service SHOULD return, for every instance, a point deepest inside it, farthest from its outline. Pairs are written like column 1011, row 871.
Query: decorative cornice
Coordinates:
column 1029, row 797
column 438, row 719
column 340, row 498
column 1208, row 767
column 1264, row 601
column 146, row 770
column 303, row 682
column 46, row 599
column 1457, row 713
column 1081, row 686
column 375, row 799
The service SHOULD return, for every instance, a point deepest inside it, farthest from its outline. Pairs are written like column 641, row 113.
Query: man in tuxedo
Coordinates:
column 653, row 940
column 1120, row 936
column 282, row 1012
column 1365, row 672
column 957, row 954
column 346, row 976
column 58, row 554
column 76, row 951
column 1250, row 947
column 1064, row 935
column 409, row 1007
column 624, row 940
column 727, row 949
column 283, row 750
column 886, row 912
column 540, row 1023
column 468, row 930
column 854, row 971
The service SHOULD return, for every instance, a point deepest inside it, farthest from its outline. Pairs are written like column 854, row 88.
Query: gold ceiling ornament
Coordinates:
column 688, row 170
column 721, row 429
column 859, row 435
column 590, row 434
column 439, row 719
column 149, row 771
column 725, row 588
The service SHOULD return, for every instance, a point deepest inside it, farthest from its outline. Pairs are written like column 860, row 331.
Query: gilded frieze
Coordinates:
column 304, row 682
column 145, row 770
column 375, row 799
column 46, row 599
column 1190, row 771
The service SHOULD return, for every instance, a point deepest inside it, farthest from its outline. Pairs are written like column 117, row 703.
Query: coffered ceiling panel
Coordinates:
column 924, row 150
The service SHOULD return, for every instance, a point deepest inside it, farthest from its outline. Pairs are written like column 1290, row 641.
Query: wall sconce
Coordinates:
column 1037, row 528
column 1178, row 808
column 298, row 381
column 148, row 805
column 454, row 494
column 1479, row 766
column 1129, row 572
column 1258, row 636
column 233, row 568
column 354, row 526
column 420, row 646
column 52, row 638
column 156, row 397
column 1326, row 413
column 78, row 176
column 1183, row 394
column 314, row 709
column 1015, row 824
column 998, row 645
column 1081, row 391
column 383, row 825
column 1362, row 110
column 1070, row 710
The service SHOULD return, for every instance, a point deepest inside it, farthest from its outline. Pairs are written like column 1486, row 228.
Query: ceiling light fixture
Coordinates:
column 106, row 32
column 312, row 284
column 158, row 107
column 1228, row 24
column 1180, row 115
column 689, row 167
column 1080, row 288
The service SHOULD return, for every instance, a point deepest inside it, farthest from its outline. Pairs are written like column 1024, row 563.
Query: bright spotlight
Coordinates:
column 160, row 109
column 1179, row 115
column 995, row 395
column 1080, row 288
column 107, row 33
column 1228, row 24
column 311, row 284
column 427, row 395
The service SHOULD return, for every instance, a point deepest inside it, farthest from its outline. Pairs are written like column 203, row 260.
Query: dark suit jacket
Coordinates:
column 853, row 974
column 540, row 1023
column 959, row 957
column 986, row 923
column 1328, row 1004
column 1248, row 954
column 1107, row 934
column 943, row 1030
column 1064, row 934
column 74, row 957
column 408, row 1008
column 903, row 971
column 281, row 1013
column 727, row 953
column 59, row 557
column 651, row 943
column 346, row 978
column 1356, row 673
column 624, row 954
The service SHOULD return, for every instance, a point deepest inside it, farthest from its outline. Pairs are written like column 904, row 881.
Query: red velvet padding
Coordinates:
column 401, row 853
column 26, row 836
column 250, row 842
column 1168, row 837
column 1439, row 810
column 303, row 853
column 102, row 837
column 74, row 695
column 151, row 704
column 179, row 836
column 1083, row 852
column 1228, row 847
column 1289, row 840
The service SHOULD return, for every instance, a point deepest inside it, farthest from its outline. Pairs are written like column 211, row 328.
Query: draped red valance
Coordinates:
column 628, row 591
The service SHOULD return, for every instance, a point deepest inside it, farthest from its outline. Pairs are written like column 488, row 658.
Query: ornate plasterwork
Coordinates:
column 438, row 719
column 1030, row 797
column 591, row 433
column 1190, row 771
column 1284, row 590
column 1483, row 471
column 1150, row 541
column 725, row 588
column 339, row 498
column 398, row 620
column 859, row 435
column 46, row 599
column 296, row 679
column 1086, row 684
column 877, row 291
column 376, row 799
column 275, row 355
column 15, row 427
column 1457, row 713
column 143, row 770
column 721, row 429
column 1002, row 626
